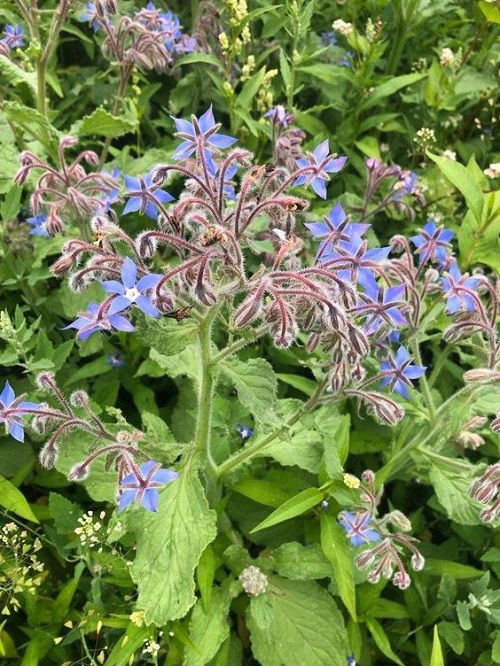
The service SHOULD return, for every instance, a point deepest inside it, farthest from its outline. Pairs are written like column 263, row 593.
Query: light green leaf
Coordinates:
column 458, row 175
column 64, row 513
column 304, row 384
column 185, row 362
column 456, row 570
column 263, row 492
column 479, row 241
column 256, row 385
column 13, row 500
column 437, row 658
column 296, row 623
column 463, row 615
column 389, row 88
column 381, row 640
column 169, row 546
column 204, row 58
column 127, row 645
column 209, row 627
column 166, row 335
column 246, row 97
column 297, row 562
column 452, row 491
column 336, row 549
column 337, row 444
column 17, row 76
column 295, row 506
column 102, row 123
column 453, row 635
column 286, row 72
column 491, row 12
column 330, row 74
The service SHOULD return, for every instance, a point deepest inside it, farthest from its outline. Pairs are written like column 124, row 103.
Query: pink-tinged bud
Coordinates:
column 470, row 440
column 21, row 175
column 482, row 376
column 417, row 561
column 401, row 580
column 483, row 492
column 475, row 422
column 146, row 245
column 365, row 559
column 62, row 265
column 48, row 455
column 68, row 142
column 368, row 477
column 358, row 340
column 313, row 342
column 374, row 577
column 358, row 372
column 78, row 282
column 46, row 380
column 123, row 437
column 372, row 163
column 339, row 375
column 79, row 399
column 78, row 472
column 90, row 157
column 495, row 424
column 250, row 309
column 40, row 422
column 54, row 224
column 204, row 293
column 36, row 202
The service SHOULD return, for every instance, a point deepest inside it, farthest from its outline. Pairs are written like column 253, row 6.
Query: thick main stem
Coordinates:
column 205, row 394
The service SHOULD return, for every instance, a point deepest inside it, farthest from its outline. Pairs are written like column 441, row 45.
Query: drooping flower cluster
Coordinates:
column 485, row 490
column 388, row 532
column 149, row 40
column 67, row 193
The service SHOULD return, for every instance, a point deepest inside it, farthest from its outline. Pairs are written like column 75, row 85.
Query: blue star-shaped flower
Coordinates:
column 228, row 185
column 432, row 243
column 323, row 164
column 335, row 228
column 381, row 305
column 93, row 320
column 203, row 132
column 13, row 36
column 39, row 227
column 116, row 361
column 11, row 411
column 142, row 195
column 245, row 431
column 90, row 16
column 132, row 291
column 353, row 261
column 142, row 488
column 357, row 526
column 407, row 184
column 398, row 372
column 279, row 116
column 186, row 44
column 457, row 290
column 171, row 29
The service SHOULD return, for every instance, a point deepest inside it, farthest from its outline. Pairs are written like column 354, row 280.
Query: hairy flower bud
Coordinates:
column 401, row 580
column 48, row 455
column 78, row 472
column 482, row 376
column 250, row 309
column 417, row 561
column 146, row 245
column 79, row 398
column 253, row 581
column 495, row 424
column 46, row 380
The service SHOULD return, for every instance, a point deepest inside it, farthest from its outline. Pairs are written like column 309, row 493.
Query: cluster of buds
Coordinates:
column 286, row 139
column 485, row 491
column 468, row 438
column 21, row 571
column 390, row 186
column 389, row 532
column 148, row 40
column 67, row 192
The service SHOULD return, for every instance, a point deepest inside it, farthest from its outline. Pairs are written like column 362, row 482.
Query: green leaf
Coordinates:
column 453, row 635
column 479, row 241
column 463, row 615
column 337, row 444
column 64, row 513
column 295, row 506
column 263, row 492
column 204, row 58
column 389, row 88
column 458, row 176
column 437, row 658
column 166, row 335
column 297, row 562
column 13, row 500
column 98, row 366
column 296, row 623
column 381, row 640
column 456, row 570
column 32, row 122
column 169, row 546
column 209, row 627
column 336, row 549
column 491, row 12
column 286, row 72
column 127, row 645
column 452, row 491
column 102, row 123
column 16, row 76
column 246, row 97
column 256, row 385
column 330, row 74
column 11, row 205
column 304, row 384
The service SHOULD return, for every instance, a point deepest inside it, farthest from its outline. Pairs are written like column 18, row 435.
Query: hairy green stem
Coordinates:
column 238, row 344
column 406, row 14
column 248, row 452
column 424, row 385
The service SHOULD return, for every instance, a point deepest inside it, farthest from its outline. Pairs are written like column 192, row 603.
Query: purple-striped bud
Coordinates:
column 48, row 455
column 250, row 309
column 401, row 580
column 78, row 472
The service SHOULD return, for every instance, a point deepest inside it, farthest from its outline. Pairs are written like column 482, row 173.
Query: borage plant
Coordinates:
column 197, row 291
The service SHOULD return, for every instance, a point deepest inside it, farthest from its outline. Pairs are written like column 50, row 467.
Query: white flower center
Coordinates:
column 132, row 294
